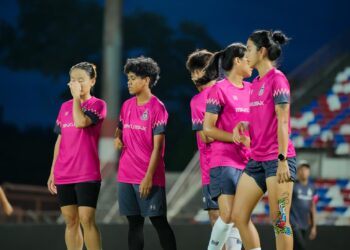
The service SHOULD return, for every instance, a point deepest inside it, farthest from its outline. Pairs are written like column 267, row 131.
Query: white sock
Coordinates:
column 233, row 241
column 219, row 234
column 258, row 248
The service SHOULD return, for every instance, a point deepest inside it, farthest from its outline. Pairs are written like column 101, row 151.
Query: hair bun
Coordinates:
column 279, row 37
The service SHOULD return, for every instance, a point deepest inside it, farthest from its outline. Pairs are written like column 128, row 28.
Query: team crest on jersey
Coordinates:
column 66, row 113
column 235, row 97
column 261, row 91
column 144, row 116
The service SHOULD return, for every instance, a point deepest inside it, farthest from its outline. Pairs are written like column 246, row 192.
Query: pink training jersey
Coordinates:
column 266, row 92
column 231, row 104
column 77, row 159
column 139, row 124
column 198, row 105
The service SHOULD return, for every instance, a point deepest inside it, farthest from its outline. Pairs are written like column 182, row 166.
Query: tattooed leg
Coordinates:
column 280, row 224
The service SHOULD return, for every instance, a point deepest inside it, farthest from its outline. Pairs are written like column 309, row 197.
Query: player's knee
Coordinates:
column 280, row 223
column 87, row 221
column 213, row 216
column 71, row 220
column 226, row 217
column 135, row 223
column 239, row 218
column 274, row 215
column 282, row 229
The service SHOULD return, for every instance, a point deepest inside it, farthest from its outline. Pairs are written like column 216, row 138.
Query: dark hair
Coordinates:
column 89, row 68
column 198, row 60
column 143, row 67
column 222, row 59
column 272, row 41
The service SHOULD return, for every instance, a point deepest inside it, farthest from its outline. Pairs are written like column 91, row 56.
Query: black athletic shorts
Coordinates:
column 80, row 194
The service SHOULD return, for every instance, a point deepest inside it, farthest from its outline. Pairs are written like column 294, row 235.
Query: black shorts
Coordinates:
column 80, row 194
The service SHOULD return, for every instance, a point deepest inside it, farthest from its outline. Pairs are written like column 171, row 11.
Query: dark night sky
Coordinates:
column 29, row 98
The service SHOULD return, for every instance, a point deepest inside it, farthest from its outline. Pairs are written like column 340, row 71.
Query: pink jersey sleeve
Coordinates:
column 196, row 115
column 96, row 112
column 280, row 90
column 58, row 124
column 160, row 121
column 214, row 101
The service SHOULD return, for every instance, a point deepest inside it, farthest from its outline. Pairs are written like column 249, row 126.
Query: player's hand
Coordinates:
column 313, row 233
column 118, row 144
column 145, row 187
column 238, row 131
column 283, row 174
column 51, row 186
column 8, row 209
column 75, row 89
column 245, row 140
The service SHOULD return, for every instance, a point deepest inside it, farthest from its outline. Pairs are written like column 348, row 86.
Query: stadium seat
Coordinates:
column 326, row 119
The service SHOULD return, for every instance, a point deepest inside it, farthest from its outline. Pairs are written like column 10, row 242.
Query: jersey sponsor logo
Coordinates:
column 144, row 116
column 257, row 103
column 242, row 110
column 261, row 91
column 135, row 127
column 68, row 125
column 235, row 97
column 305, row 197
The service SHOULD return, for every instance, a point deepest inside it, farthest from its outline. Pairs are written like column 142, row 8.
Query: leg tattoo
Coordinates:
column 281, row 221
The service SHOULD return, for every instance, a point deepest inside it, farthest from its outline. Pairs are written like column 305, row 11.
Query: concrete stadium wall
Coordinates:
column 189, row 237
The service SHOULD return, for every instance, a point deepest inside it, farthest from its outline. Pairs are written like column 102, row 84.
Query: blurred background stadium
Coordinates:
column 40, row 40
